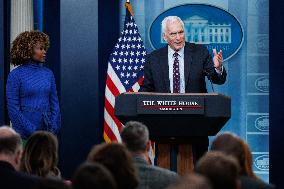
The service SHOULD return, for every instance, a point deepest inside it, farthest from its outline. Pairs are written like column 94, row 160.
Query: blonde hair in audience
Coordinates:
column 40, row 155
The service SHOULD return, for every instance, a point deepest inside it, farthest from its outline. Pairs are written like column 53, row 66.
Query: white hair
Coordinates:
column 170, row 19
column 7, row 131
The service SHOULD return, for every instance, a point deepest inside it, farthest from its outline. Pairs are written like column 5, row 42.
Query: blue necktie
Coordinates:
column 176, row 74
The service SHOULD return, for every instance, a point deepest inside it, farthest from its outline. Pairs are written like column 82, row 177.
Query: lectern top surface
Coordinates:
column 178, row 94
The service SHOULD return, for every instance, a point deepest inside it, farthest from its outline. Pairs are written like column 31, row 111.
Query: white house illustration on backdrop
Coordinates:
column 199, row 30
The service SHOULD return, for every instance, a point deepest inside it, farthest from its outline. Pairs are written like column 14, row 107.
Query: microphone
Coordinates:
column 209, row 78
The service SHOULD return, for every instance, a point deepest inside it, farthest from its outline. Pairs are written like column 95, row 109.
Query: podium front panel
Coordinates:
column 202, row 114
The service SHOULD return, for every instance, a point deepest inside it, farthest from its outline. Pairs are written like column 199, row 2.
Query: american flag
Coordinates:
column 124, row 74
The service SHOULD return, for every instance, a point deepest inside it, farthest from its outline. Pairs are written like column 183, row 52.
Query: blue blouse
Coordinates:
column 32, row 99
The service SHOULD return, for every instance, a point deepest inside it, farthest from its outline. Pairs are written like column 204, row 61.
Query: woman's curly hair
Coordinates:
column 22, row 46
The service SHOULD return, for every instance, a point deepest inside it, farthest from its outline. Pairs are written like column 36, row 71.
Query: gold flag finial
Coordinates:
column 129, row 7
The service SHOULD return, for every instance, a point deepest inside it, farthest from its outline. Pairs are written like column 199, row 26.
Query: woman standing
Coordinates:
column 31, row 90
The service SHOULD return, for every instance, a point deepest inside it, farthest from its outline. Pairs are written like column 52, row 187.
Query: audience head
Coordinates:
column 118, row 160
column 192, row 181
column 231, row 144
column 10, row 146
column 93, row 175
column 135, row 136
column 40, row 155
column 221, row 170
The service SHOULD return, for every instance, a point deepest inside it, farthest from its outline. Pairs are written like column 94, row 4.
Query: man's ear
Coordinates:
column 148, row 146
column 18, row 156
column 164, row 37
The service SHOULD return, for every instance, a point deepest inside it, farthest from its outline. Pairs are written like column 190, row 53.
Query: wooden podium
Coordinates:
column 175, row 119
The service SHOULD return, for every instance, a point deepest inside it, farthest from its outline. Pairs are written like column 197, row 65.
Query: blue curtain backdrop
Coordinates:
column 2, row 65
column 248, row 70
column 38, row 14
column 4, row 58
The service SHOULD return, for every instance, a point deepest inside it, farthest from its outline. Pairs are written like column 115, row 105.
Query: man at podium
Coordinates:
column 181, row 67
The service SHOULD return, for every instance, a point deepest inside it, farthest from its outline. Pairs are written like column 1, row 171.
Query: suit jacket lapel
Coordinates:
column 164, row 65
column 188, row 56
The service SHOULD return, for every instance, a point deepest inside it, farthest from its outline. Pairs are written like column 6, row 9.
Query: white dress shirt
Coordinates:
column 171, row 59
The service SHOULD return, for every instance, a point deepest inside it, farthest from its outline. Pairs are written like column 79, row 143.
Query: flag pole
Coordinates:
column 129, row 7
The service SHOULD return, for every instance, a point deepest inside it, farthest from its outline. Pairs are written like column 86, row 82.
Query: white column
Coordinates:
column 21, row 17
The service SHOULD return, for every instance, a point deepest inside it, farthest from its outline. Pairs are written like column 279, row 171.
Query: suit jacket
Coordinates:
column 10, row 178
column 197, row 60
column 153, row 177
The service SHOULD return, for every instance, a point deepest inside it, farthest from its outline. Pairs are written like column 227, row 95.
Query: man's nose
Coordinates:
column 178, row 36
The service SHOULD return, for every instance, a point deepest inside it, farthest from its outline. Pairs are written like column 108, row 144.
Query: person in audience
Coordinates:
column 116, row 158
column 40, row 155
column 192, row 181
column 135, row 136
column 231, row 144
column 220, row 169
column 93, row 176
column 10, row 158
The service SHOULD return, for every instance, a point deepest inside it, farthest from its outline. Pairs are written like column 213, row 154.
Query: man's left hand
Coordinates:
column 217, row 59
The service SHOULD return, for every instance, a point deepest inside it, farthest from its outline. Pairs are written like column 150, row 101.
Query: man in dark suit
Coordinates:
column 10, row 158
column 181, row 67
column 135, row 136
